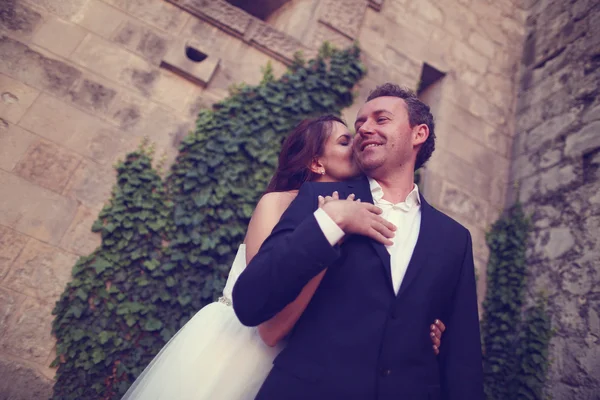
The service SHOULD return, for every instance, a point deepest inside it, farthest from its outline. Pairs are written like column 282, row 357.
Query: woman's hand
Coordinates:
column 437, row 329
column 356, row 218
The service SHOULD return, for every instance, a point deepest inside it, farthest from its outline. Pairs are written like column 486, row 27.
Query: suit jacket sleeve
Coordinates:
column 460, row 352
column 294, row 253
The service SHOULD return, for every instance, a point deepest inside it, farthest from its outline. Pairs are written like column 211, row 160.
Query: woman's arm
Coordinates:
column 266, row 215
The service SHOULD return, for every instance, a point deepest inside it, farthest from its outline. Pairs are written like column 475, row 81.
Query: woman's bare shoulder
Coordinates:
column 277, row 200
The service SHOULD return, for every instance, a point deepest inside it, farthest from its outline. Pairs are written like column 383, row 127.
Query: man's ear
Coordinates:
column 317, row 167
column 420, row 134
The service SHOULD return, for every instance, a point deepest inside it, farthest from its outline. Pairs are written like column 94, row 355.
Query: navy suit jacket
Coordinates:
column 357, row 339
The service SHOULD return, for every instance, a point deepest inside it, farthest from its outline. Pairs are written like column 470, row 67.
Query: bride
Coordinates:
column 214, row 356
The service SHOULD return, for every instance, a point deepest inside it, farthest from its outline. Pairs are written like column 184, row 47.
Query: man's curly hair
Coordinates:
column 418, row 113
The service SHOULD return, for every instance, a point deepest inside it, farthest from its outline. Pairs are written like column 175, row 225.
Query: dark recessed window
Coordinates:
column 429, row 76
column 194, row 54
column 261, row 9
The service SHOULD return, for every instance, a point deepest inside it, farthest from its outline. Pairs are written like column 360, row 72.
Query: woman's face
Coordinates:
column 338, row 157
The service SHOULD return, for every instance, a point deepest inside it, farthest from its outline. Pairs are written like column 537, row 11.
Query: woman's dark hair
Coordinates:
column 305, row 143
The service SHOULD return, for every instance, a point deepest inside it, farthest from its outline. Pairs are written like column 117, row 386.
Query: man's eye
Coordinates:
column 382, row 119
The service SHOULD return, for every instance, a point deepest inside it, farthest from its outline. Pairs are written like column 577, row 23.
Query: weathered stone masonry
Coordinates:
column 81, row 81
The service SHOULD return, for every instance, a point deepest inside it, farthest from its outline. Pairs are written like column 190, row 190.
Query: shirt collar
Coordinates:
column 413, row 198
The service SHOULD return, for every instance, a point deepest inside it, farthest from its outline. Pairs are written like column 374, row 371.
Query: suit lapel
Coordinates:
column 425, row 242
column 360, row 187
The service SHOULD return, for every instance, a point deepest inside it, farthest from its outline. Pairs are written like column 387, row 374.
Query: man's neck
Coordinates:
column 396, row 187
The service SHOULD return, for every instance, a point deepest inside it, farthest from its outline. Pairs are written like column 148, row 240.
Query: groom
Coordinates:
column 364, row 333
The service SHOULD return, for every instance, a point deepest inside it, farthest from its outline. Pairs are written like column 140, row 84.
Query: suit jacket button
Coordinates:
column 385, row 372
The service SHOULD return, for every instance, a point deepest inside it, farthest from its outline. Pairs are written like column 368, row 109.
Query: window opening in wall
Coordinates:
column 261, row 9
column 194, row 54
column 429, row 76
column 429, row 92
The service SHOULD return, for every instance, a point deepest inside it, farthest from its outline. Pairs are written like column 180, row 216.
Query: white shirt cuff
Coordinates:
column 333, row 233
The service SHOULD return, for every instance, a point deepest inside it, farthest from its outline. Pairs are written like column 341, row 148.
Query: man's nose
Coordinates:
column 365, row 130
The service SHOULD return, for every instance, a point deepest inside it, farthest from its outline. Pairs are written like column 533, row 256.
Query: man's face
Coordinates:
column 384, row 138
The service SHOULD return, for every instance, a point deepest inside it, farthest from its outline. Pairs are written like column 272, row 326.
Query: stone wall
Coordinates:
column 556, row 172
column 81, row 81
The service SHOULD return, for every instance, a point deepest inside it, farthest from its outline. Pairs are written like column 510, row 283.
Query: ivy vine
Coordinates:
column 167, row 246
column 515, row 340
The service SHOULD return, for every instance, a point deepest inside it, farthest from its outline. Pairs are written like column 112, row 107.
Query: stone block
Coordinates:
column 64, row 8
column 344, row 16
column 114, row 62
column 18, row 19
column 587, row 139
column 220, row 12
column 58, row 36
column 189, row 59
column 550, row 129
column 372, row 33
column 11, row 244
column 526, row 188
column 79, row 238
column 577, row 280
column 498, row 194
column 9, row 304
column 455, row 170
column 28, row 334
column 592, row 114
column 45, row 215
column 402, row 63
column 15, row 98
column 175, row 92
column 163, row 128
column 102, row 145
column 486, row 160
column 464, row 206
column 213, row 38
column 429, row 11
column 550, row 158
column 376, row 4
column 498, row 89
column 459, row 120
column 54, row 120
column 90, row 94
column 47, row 165
column 523, row 166
column 22, row 382
column 128, row 110
column 41, row 271
column 276, row 43
column 142, row 40
column 477, row 104
column 91, row 184
column 100, row 18
column 73, row 128
column 34, row 68
column 462, row 54
column 14, row 142
column 557, row 178
column 324, row 33
column 554, row 243
column 158, row 13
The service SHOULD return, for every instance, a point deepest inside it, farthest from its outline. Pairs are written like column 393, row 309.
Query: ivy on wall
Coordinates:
column 515, row 341
column 107, row 317
column 167, row 246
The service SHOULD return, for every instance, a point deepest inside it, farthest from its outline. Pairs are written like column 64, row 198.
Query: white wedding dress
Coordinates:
column 213, row 357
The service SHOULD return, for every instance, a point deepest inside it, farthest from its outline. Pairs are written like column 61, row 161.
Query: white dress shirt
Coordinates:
column 405, row 215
